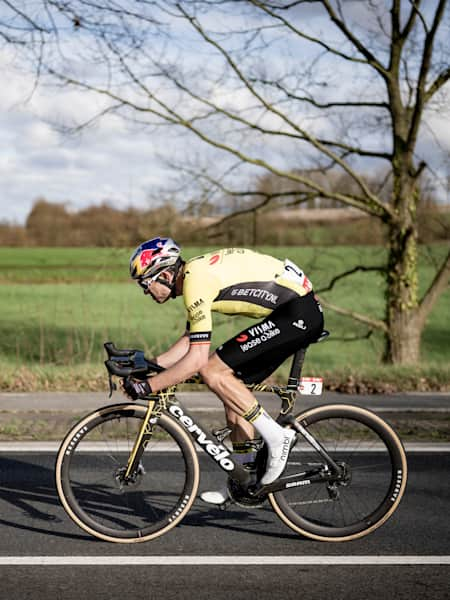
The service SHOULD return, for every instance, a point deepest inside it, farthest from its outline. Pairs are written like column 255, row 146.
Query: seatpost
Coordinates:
column 289, row 394
column 296, row 369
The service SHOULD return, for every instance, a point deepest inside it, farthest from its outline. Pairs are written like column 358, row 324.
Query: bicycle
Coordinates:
column 343, row 480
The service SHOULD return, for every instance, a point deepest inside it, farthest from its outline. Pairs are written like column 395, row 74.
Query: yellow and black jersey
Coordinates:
column 237, row 281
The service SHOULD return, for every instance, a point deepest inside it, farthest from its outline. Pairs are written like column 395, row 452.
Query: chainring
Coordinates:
column 240, row 496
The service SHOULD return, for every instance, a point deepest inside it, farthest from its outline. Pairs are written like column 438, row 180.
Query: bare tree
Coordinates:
column 272, row 86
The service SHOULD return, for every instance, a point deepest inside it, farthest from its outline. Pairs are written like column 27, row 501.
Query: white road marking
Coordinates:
column 52, row 447
column 220, row 560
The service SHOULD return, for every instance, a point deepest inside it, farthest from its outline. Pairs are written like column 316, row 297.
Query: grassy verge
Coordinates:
column 58, row 306
column 364, row 380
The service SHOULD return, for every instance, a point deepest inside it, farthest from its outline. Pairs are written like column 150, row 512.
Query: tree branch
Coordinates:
column 437, row 84
column 371, row 58
column 372, row 200
column 347, row 273
column 437, row 286
column 375, row 323
column 415, row 12
column 34, row 25
column 310, row 100
column 369, row 205
column 353, row 338
column 264, row 7
column 421, row 94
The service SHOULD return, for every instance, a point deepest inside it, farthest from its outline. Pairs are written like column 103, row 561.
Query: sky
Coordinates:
column 106, row 162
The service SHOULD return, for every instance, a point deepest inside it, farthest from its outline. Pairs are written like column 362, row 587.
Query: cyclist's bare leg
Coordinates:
column 237, row 398
column 221, row 380
column 241, row 430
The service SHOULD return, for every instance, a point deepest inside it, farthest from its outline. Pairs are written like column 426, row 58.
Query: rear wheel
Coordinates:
column 375, row 472
column 90, row 469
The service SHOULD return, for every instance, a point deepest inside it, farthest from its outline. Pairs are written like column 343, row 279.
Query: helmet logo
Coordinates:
column 214, row 259
column 146, row 257
column 153, row 256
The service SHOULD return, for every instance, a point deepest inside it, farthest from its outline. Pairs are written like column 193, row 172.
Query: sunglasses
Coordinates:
column 144, row 283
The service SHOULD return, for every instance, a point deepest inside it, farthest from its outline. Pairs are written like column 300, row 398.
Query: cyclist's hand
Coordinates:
column 135, row 388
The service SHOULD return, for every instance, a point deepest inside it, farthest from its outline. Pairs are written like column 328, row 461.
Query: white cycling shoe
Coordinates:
column 276, row 464
column 278, row 456
column 218, row 497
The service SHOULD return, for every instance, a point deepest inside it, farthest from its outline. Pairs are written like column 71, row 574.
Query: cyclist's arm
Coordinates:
column 175, row 353
column 196, row 358
column 197, row 299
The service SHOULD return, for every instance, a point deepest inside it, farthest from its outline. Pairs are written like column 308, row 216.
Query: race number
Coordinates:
column 293, row 273
column 310, row 386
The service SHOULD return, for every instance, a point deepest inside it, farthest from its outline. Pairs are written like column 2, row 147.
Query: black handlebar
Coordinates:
column 127, row 362
column 115, row 369
column 113, row 351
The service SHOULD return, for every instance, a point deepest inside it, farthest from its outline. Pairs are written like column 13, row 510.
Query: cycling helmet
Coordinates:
column 153, row 257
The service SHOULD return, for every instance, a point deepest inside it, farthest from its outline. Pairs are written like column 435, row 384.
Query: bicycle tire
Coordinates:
column 377, row 470
column 94, row 454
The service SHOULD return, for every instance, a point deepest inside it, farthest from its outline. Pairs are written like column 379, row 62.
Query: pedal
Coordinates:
column 226, row 504
column 221, row 434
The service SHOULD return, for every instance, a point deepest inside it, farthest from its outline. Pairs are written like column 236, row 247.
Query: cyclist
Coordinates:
column 232, row 281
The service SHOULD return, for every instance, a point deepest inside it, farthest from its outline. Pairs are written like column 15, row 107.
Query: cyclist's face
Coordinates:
column 158, row 291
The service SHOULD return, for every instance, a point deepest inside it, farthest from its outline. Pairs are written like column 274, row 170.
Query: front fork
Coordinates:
column 142, row 439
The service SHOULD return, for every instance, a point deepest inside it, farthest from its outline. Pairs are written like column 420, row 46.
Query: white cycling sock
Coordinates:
column 268, row 428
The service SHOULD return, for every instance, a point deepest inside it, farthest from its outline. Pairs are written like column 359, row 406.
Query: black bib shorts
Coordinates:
column 260, row 349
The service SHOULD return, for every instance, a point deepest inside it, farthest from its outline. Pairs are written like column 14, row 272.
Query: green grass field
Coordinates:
column 58, row 306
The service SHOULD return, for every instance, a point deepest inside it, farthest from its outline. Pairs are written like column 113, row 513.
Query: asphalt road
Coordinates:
column 34, row 527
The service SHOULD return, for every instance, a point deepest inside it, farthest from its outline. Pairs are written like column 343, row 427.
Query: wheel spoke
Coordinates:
column 371, row 456
column 91, row 476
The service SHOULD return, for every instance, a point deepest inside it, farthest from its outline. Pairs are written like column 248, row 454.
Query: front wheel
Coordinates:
column 90, row 468
column 373, row 461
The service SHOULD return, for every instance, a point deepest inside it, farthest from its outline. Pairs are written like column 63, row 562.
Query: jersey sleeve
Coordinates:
column 199, row 291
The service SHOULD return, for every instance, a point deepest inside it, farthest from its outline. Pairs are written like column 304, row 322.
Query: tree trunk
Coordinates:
column 403, row 343
column 403, row 319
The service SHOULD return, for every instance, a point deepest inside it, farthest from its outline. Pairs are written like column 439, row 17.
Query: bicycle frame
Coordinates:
column 132, row 496
column 166, row 401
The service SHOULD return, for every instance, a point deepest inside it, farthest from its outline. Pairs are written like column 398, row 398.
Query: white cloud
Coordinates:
column 106, row 162
column 114, row 162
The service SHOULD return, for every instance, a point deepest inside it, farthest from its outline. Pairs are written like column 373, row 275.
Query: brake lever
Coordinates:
column 112, row 385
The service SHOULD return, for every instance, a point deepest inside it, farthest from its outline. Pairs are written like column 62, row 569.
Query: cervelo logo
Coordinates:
column 218, row 452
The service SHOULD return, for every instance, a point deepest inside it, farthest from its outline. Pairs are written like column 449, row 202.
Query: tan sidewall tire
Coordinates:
column 76, row 519
column 349, row 409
